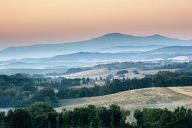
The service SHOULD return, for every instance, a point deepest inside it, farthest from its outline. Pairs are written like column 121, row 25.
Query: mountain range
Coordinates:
column 112, row 41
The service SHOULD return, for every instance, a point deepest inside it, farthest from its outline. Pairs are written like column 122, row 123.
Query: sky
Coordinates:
column 26, row 22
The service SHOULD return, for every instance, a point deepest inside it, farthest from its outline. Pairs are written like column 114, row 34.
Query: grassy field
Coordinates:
column 170, row 98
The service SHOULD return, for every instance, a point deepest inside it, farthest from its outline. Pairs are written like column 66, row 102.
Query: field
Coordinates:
column 104, row 72
column 170, row 98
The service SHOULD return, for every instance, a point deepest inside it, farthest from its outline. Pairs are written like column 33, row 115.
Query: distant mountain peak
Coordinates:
column 120, row 35
column 158, row 36
column 116, row 35
column 113, row 34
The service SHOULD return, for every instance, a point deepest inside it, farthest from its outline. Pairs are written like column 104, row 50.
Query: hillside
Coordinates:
column 137, row 99
column 173, row 50
column 91, row 56
column 167, row 52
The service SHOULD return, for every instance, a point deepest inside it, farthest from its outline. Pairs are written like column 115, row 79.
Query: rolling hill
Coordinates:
column 173, row 50
column 86, row 59
column 91, row 56
column 170, row 98
column 167, row 53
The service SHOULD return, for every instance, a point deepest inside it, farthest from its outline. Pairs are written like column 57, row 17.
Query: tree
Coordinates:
column 139, row 117
column 42, row 114
column 45, row 95
column 18, row 118
column 40, row 108
column 117, row 117
column 2, row 120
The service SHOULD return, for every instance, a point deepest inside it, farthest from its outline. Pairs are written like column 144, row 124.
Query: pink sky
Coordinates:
column 24, row 22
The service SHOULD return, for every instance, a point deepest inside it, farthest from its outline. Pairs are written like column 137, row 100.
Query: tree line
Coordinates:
column 41, row 115
column 162, row 79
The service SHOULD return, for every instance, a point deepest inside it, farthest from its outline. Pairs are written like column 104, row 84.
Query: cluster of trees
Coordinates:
column 41, row 115
column 15, row 80
column 186, row 66
column 19, row 90
column 85, row 80
column 163, row 118
column 74, row 70
column 59, row 82
column 47, row 95
column 13, row 97
column 162, row 79
column 122, row 72
column 22, row 90
column 65, row 83
column 15, row 90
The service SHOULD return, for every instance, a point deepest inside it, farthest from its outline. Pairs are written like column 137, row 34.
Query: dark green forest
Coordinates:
column 20, row 90
column 41, row 115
